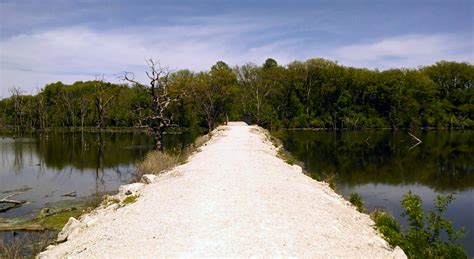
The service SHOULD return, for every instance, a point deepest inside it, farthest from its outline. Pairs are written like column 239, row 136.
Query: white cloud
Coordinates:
column 406, row 51
column 78, row 53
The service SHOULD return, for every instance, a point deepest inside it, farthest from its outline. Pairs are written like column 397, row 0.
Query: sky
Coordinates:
column 44, row 41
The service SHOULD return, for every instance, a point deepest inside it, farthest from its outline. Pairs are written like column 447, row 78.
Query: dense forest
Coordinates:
column 316, row 93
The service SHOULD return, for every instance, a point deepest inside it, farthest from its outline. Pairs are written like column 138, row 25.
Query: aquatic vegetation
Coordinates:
column 58, row 220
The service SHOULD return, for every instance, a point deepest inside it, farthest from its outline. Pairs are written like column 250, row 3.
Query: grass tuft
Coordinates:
column 285, row 156
column 356, row 200
column 156, row 162
column 130, row 199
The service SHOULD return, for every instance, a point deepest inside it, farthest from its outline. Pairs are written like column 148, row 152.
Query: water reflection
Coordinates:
column 444, row 161
column 382, row 166
column 51, row 165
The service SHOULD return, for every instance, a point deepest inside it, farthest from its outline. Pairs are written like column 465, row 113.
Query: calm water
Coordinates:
column 49, row 166
column 382, row 166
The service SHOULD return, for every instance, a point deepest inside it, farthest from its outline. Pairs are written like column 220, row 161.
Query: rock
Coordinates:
column 72, row 227
column 130, row 189
column 89, row 221
column 113, row 207
column 398, row 253
column 148, row 178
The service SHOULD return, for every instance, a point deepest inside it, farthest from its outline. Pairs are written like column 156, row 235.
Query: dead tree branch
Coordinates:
column 161, row 97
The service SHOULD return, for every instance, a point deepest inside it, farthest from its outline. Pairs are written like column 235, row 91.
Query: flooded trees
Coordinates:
column 315, row 93
column 16, row 97
column 104, row 94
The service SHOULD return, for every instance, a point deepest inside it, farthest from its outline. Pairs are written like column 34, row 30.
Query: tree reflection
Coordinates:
column 443, row 161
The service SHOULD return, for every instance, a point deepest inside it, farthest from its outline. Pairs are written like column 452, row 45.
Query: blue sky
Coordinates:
column 43, row 41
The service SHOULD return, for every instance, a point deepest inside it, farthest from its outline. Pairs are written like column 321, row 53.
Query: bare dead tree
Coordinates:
column 67, row 102
column 162, row 97
column 103, row 98
column 16, row 94
column 83, row 107
column 42, row 111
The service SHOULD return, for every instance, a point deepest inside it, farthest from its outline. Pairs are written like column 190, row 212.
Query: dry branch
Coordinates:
column 17, row 227
column 413, row 136
column 417, row 139
column 7, row 199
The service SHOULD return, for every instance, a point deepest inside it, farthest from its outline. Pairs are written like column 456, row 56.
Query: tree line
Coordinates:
column 316, row 93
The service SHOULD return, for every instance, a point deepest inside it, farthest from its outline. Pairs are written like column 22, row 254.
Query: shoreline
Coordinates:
column 238, row 198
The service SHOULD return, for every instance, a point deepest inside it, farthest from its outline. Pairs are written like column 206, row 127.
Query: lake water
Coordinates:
column 45, row 167
column 379, row 165
column 382, row 166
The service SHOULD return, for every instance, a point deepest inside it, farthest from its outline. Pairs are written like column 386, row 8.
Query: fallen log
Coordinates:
column 70, row 194
column 7, row 204
column 7, row 199
column 417, row 139
column 18, row 190
column 19, row 227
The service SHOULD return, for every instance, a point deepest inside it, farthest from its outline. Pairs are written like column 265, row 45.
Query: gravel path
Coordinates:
column 234, row 198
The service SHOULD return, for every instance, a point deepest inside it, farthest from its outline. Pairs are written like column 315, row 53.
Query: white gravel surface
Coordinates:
column 234, row 198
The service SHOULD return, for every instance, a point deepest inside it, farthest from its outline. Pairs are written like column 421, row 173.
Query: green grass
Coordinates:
column 57, row 221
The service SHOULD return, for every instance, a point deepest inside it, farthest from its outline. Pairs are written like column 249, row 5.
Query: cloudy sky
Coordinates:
column 43, row 41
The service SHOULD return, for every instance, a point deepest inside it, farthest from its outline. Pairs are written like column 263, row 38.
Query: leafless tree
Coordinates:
column 16, row 94
column 162, row 97
column 42, row 111
column 103, row 98
column 83, row 107
column 67, row 99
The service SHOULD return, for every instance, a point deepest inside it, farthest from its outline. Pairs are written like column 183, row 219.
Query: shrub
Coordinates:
column 388, row 226
column 423, row 239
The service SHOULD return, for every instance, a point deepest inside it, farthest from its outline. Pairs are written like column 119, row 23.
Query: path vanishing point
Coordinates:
column 235, row 197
